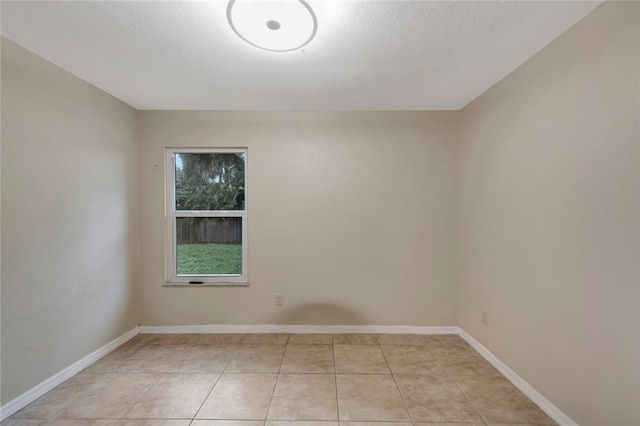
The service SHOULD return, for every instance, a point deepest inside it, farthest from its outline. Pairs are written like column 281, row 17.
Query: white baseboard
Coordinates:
column 547, row 406
column 297, row 329
column 36, row 392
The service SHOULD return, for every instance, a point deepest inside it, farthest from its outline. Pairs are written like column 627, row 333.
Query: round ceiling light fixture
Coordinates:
column 276, row 26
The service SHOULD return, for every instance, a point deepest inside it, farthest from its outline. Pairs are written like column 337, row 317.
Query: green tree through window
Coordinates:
column 211, row 181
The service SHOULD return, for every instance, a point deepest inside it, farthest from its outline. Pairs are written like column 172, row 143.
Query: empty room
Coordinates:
column 320, row 213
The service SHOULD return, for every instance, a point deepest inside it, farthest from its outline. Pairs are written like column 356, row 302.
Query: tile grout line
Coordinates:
column 485, row 421
column 211, row 390
column 449, row 376
column 273, row 394
column 142, row 396
column 216, row 381
column 404, row 402
column 237, row 345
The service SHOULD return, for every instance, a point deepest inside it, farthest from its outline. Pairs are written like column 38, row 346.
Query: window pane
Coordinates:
column 209, row 245
column 210, row 181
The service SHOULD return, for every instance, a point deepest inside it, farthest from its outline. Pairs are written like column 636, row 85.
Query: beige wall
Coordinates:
column 351, row 217
column 549, row 219
column 69, row 219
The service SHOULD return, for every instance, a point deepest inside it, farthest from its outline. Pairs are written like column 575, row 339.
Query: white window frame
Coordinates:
column 171, row 215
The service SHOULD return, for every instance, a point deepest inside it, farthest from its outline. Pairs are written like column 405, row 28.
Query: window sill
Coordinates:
column 212, row 284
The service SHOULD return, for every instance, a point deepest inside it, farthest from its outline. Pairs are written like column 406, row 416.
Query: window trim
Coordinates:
column 171, row 215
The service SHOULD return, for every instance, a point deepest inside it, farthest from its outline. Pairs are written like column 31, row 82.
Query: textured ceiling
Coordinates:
column 367, row 55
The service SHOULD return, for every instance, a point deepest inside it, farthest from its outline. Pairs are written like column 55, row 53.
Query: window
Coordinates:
column 206, row 216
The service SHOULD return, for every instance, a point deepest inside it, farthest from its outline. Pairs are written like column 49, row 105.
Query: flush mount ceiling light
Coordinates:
column 276, row 26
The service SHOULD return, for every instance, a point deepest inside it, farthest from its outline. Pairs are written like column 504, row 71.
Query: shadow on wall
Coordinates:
column 319, row 314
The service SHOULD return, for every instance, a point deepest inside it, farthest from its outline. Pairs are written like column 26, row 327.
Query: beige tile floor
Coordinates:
column 286, row 380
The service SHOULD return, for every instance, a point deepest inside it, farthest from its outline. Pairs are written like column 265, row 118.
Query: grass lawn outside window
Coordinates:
column 209, row 258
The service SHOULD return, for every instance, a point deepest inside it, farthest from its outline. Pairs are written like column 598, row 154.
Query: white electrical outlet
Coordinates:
column 485, row 318
column 279, row 299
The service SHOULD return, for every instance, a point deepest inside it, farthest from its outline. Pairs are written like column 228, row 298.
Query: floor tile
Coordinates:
column 110, row 397
column 404, row 359
column 266, row 338
column 227, row 423
column 369, row 398
column 212, row 352
column 417, row 389
column 239, row 397
column 434, row 340
column 198, row 366
column 258, row 358
column 299, row 423
column 515, row 424
column 50, row 404
column 457, row 424
column 360, row 359
column 166, row 380
column 205, row 359
column 80, row 422
column 139, row 340
column 308, row 359
column 399, row 339
column 487, row 388
column 456, row 351
column 110, row 362
column 514, row 410
column 468, row 366
column 142, row 365
column 310, row 339
column 355, row 339
column 175, row 396
column 375, row 424
column 152, row 359
column 172, row 339
column 445, row 411
column 220, row 339
column 152, row 422
column 304, row 397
